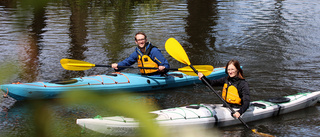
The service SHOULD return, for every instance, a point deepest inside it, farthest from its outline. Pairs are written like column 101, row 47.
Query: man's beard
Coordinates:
column 145, row 45
column 142, row 47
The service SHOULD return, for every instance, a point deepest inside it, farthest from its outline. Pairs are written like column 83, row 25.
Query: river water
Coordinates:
column 276, row 42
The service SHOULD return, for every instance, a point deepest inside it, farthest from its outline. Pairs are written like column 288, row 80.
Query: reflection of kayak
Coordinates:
column 207, row 115
column 104, row 83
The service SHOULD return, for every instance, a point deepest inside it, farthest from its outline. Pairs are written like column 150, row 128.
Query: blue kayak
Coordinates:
column 108, row 83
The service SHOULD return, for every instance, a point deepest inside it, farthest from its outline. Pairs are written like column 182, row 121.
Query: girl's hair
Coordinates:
column 237, row 65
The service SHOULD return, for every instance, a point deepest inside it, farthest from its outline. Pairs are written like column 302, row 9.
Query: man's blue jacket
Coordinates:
column 155, row 55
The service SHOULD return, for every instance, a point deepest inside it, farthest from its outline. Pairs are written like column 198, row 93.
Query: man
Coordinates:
column 146, row 55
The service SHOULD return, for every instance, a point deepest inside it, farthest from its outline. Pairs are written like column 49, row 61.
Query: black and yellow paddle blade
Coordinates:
column 76, row 65
column 174, row 48
column 261, row 134
column 204, row 69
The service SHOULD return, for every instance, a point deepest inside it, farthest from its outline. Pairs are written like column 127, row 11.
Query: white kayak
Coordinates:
column 207, row 115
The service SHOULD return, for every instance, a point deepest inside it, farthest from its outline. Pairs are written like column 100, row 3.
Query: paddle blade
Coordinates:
column 204, row 69
column 174, row 48
column 75, row 65
column 261, row 134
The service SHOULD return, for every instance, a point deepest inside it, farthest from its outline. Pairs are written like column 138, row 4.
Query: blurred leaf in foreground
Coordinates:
column 120, row 103
column 7, row 70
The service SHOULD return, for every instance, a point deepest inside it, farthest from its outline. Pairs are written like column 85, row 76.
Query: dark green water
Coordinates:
column 276, row 42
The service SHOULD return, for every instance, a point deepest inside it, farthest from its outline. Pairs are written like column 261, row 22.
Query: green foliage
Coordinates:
column 34, row 3
column 7, row 70
column 123, row 104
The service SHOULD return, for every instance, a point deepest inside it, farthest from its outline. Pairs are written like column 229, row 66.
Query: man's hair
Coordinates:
column 145, row 36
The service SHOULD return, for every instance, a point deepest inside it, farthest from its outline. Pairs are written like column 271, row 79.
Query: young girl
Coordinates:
column 235, row 89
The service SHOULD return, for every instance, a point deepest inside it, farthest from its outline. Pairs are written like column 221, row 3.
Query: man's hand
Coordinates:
column 115, row 66
column 161, row 68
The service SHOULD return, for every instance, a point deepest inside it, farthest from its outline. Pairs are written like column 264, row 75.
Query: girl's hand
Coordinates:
column 236, row 115
column 200, row 75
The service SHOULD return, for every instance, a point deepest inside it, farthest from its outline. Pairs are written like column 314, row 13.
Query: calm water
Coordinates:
column 276, row 42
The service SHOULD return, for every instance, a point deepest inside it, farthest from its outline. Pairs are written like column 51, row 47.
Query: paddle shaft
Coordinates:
column 224, row 102
column 174, row 69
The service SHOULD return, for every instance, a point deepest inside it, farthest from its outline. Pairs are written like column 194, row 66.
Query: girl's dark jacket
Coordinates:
column 243, row 90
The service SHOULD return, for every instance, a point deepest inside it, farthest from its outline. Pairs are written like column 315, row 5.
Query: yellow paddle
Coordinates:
column 174, row 48
column 78, row 65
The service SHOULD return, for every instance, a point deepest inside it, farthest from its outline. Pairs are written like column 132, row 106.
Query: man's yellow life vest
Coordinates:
column 230, row 94
column 145, row 61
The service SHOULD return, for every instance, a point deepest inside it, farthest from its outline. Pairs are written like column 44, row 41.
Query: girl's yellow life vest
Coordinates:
column 230, row 94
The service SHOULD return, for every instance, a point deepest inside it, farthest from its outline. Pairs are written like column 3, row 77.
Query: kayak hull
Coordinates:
column 116, row 82
column 206, row 115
